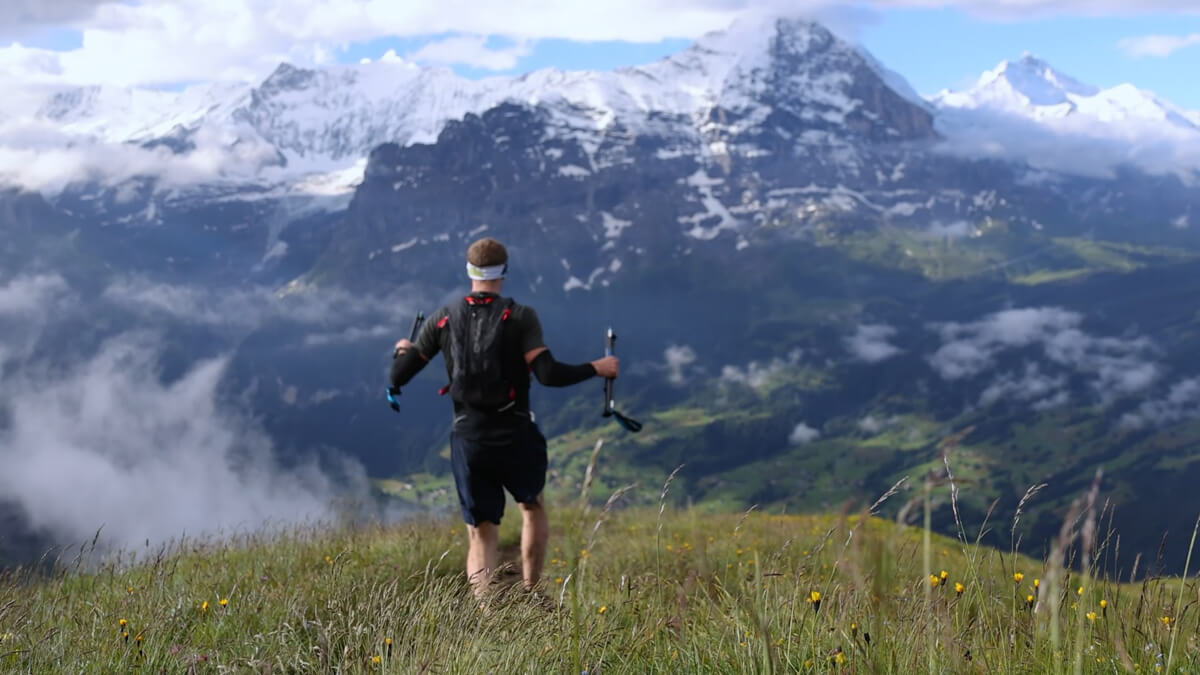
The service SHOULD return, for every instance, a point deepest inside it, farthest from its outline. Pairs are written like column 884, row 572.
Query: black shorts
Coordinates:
column 483, row 471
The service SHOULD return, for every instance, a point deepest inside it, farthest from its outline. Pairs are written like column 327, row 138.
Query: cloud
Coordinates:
column 1043, row 391
column 803, row 434
column 18, row 17
column 1114, row 367
column 1181, row 402
column 1158, row 45
column 107, row 444
column 870, row 343
column 350, row 335
column 678, row 358
column 174, row 41
column 26, row 305
column 755, row 374
column 873, row 425
column 472, row 50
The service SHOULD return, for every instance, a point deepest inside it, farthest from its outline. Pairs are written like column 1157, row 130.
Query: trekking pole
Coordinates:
column 394, row 392
column 610, row 405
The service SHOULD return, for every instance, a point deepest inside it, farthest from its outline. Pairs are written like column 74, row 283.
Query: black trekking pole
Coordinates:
column 394, row 392
column 610, row 405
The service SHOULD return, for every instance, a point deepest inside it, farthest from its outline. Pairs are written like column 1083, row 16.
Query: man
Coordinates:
column 491, row 345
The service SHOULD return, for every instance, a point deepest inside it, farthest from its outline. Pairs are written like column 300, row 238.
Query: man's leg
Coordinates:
column 482, row 554
column 535, row 531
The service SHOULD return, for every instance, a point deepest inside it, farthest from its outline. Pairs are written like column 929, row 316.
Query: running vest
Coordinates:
column 480, row 377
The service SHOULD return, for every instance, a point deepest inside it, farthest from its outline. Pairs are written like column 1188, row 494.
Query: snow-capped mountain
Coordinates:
column 1026, row 110
column 303, row 121
column 1032, row 88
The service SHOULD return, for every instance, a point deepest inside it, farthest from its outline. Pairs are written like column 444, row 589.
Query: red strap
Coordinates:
column 512, row 394
column 444, row 390
column 479, row 300
column 507, row 313
column 445, row 320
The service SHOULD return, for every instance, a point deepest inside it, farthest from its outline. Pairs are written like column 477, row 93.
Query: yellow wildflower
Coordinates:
column 583, row 553
column 808, row 663
column 840, row 657
column 1037, row 584
column 558, row 580
column 603, row 609
column 329, row 560
column 122, row 623
column 933, row 581
column 376, row 660
column 944, row 575
column 814, row 596
column 1166, row 622
column 224, row 602
column 204, row 606
column 1018, row 577
column 387, row 641
column 125, row 635
column 1029, row 599
column 959, row 588
column 129, row 589
column 1091, row 616
column 1079, row 591
column 138, row 638
column 1103, row 604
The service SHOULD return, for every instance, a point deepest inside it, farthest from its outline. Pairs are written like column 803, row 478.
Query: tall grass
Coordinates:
column 635, row 591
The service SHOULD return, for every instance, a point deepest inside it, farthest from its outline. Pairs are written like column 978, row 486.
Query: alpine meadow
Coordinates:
column 825, row 374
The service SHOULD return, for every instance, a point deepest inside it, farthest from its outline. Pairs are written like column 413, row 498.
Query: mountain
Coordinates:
column 1040, row 114
column 817, row 275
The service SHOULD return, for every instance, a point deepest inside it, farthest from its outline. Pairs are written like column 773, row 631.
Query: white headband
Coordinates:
column 487, row 273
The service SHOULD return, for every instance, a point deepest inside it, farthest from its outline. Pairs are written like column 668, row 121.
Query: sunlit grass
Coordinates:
column 623, row 592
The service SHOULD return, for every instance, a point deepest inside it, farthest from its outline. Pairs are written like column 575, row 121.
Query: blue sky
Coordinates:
column 932, row 48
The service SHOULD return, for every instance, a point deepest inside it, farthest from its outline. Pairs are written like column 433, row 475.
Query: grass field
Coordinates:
column 626, row 591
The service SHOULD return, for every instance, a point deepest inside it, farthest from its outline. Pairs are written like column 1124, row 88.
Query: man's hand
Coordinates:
column 402, row 346
column 607, row 367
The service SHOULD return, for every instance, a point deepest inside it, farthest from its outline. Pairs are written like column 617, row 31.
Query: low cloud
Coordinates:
column 106, row 445
column 678, row 358
column 1114, row 367
column 102, row 441
column 803, row 434
column 873, row 425
column 870, row 343
column 1075, row 144
column 1031, row 386
column 756, row 374
column 1181, row 402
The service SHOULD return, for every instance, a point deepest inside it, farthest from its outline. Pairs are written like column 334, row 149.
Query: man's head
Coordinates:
column 487, row 263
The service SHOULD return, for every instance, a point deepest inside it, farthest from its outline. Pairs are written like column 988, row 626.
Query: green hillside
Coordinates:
column 626, row 591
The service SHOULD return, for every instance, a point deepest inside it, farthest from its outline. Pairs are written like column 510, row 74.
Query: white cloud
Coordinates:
column 803, row 434
column 1114, row 367
column 873, row 425
column 1043, row 391
column 171, row 41
column 870, row 343
column 678, row 358
column 1158, row 45
column 472, row 50
column 1181, row 402
column 755, row 374
column 106, row 444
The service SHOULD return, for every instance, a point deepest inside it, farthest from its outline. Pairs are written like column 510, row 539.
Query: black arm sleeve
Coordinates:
column 554, row 374
column 406, row 366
